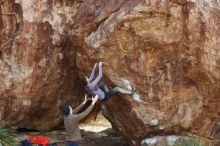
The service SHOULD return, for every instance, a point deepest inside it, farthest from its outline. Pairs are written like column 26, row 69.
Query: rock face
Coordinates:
column 168, row 49
column 37, row 62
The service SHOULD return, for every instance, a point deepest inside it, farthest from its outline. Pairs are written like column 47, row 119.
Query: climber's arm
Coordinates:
column 91, row 77
column 99, row 77
column 79, row 107
column 88, row 110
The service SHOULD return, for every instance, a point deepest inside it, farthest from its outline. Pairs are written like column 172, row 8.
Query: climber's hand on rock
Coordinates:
column 94, row 99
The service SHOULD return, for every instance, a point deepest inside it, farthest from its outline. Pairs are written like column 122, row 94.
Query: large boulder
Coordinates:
column 170, row 51
column 37, row 62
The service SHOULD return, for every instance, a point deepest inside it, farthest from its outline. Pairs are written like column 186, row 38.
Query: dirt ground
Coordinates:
column 97, row 133
column 92, row 135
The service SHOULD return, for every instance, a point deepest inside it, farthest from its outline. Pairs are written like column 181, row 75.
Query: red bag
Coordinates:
column 39, row 140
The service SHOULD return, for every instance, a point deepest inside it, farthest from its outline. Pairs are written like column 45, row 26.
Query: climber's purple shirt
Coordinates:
column 92, row 87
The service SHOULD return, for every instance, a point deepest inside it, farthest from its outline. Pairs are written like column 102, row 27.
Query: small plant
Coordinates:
column 7, row 138
column 189, row 142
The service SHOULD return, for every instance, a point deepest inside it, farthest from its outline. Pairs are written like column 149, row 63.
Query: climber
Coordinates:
column 98, row 87
column 71, row 121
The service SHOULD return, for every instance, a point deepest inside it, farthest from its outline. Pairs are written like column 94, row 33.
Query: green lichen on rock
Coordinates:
column 189, row 142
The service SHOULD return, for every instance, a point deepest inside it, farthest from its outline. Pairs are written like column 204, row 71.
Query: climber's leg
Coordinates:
column 103, row 87
column 116, row 90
